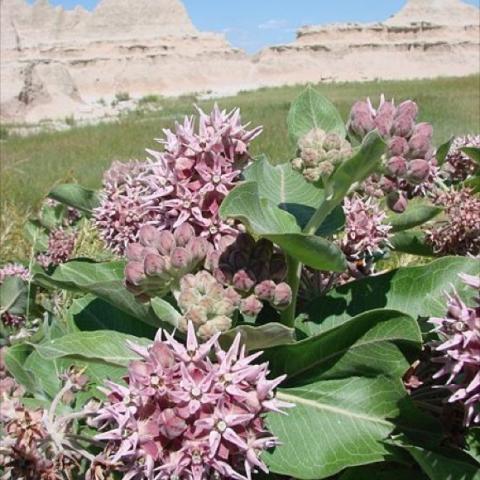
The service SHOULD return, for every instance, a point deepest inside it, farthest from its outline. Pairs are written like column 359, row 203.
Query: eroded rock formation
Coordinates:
column 55, row 63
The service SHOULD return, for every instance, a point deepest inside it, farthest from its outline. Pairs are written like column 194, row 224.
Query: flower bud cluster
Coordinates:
column 458, row 166
column 410, row 163
column 459, row 348
column 61, row 244
column 156, row 264
column 19, row 271
column 207, row 304
column 458, row 232
column 185, row 183
column 187, row 412
column 255, row 270
column 319, row 154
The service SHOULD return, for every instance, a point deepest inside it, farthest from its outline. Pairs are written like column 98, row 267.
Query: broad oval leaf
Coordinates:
column 416, row 291
column 104, row 280
column 264, row 219
column 373, row 343
column 417, row 213
column 312, row 110
column 106, row 345
column 13, row 296
column 75, row 196
column 412, row 242
column 335, row 424
column 165, row 311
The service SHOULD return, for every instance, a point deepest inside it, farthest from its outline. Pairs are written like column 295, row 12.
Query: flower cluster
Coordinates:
column 319, row 154
column 458, row 166
column 410, row 164
column 366, row 233
column 185, row 183
column 193, row 411
column 459, row 331
column 255, row 270
column 458, row 232
column 61, row 244
column 156, row 264
column 37, row 444
column 19, row 271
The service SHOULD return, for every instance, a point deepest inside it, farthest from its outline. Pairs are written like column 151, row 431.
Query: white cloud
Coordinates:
column 273, row 24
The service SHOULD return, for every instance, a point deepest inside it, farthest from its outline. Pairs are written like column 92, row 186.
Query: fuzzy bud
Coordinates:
column 266, row 290
column 398, row 147
column 154, row 265
column 242, row 281
column 297, row 164
column 180, row 258
column 134, row 273
column 134, row 252
column 148, row 236
column 384, row 118
column 183, row 234
column 418, row 171
column 282, row 296
column 403, row 125
column 251, row 306
column 166, row 242
column 361, row 119
column 397, row 167
column 421, row 141
column 397, row 202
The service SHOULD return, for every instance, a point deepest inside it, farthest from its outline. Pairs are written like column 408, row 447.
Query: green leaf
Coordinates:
column 104, row 280
column 15, row 357
column 416, row 291
column 108, row 346
column 472, row 152
column 261, row 337
column 76, row 196
column 442, row 151
column 373, row 343
column 165, row 311
column 13, row 296
column 448, row 465
column 312, row 110
column 289, row 190
column 281, row 184
column 413, row 243
column 264, row 219
column 35, row 233
column 90, row 313
column 335, row 424
column 473, row 443
column 417, row 213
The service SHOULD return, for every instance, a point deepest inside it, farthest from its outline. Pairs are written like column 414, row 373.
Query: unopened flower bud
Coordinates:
column 266, row 290
column 297, row 164
column 232, row 296
column 326, row 169
column 165, row 242
column 198, row 248
column 332, row 141
column 242, row 281
column 282, row 296
column 183, row 234
column 418, row 171
column 219, row 324
column 421, row 141
column 384, row 118
column 388, row 185
column 154, row 265
column 134, row 273
column 403, row 126
column 180, row 258
column 148, row 236
column 396, row 202
column 397, row 147
column 312, row 174
column 397, row 167
column 251, row 306
column 310, row 157
column 361, row 119
column 134, row 252
column 408, row 108
column 278, row 267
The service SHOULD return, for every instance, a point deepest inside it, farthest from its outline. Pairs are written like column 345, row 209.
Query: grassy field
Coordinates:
column 32, row 165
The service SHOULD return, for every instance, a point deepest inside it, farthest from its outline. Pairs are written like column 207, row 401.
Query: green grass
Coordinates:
column 32, row 165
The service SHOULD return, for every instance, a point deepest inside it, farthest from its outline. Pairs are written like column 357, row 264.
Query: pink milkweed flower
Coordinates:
column 195, row 426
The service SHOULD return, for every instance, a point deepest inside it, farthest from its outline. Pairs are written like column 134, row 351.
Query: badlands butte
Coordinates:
column 57, row 63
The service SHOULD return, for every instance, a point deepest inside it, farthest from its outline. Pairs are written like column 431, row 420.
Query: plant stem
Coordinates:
column 318, row 217
column 293, row 279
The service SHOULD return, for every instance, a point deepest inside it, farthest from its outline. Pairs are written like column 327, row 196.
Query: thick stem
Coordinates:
column 293, row 279
column 319, row 217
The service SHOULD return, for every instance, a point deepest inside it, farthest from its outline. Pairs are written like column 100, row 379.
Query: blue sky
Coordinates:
column 253, row 24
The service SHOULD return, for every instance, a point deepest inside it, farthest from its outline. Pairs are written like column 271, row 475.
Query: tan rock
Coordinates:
column 56, row 63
